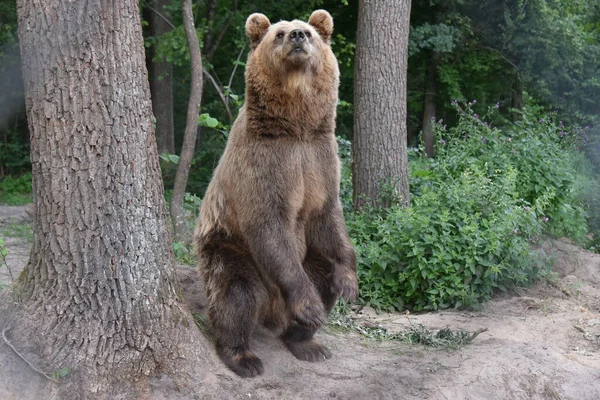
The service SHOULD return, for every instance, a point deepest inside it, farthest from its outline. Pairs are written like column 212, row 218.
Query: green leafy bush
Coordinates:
column 475, row 210
column 539, row 149
column 15, row 190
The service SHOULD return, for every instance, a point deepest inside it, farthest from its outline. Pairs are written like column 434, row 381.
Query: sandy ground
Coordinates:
column 541, row 343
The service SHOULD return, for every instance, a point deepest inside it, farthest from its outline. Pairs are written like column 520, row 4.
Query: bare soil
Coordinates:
column 542, row 343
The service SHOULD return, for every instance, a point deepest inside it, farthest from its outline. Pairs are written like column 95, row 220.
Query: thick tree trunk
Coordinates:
column 161, row 81
column 429, row 105
column 100, row 283
column 191, row 127
column 379, row 145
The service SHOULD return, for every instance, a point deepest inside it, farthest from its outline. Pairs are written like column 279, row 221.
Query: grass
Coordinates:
column 18, row 230
column 202, row 324
column 15, row 199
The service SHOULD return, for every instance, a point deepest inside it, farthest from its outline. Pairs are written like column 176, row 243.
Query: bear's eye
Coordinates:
column 279, row 35
column 307, row 33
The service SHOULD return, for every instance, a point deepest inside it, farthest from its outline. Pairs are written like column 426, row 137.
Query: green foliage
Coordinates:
column 208, row 121
column 169, row 158
column 536, row 148
column 586, row 191
column 8, row 25
column 475, row 210
column 439, row 38
column 16, row 191
column 445, row 337
column 172, row 47
column 183, row 254
column 205, row 161
column 14, row 155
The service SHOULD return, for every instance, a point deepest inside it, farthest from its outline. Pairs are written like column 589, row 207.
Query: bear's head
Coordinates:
column 292, row 53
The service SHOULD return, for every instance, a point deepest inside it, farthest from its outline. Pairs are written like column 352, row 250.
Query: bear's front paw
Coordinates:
column 345, row 284
column 308, row 311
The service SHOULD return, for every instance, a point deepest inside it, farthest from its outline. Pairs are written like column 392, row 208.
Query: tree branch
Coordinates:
column 210, row 52
column 504, row 58
column 237, row 61
column 220, row 92
column 191, row 126
column 161, row 16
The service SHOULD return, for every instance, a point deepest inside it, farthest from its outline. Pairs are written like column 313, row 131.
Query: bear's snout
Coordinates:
column 297, row 36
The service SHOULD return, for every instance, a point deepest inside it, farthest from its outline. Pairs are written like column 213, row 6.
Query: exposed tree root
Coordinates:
column 33, row 367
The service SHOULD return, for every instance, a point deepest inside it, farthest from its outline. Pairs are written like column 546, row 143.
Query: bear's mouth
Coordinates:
column 297, row 50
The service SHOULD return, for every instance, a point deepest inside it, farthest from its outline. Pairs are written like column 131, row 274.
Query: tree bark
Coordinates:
column 429, row 105
column 379, row 145
column 191, row 127
column 161, row 81
column 100, row 289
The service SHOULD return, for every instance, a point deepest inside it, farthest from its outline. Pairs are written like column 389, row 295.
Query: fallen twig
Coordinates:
column 478, row 332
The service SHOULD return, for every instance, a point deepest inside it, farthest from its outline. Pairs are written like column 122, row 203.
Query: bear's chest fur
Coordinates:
column 313, row 191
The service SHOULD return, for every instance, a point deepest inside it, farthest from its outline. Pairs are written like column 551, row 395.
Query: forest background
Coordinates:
column 503, row 120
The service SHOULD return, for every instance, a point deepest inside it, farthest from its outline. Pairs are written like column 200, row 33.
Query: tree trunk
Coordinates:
column 211, row 11
column 379, row 145
column 100, row 286
column 429, row 105
column 517, row 94
column 161, row 81
column 191, row 127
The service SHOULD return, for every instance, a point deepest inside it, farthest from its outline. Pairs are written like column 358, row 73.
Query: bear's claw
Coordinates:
column 309, row 351
column 345, row 285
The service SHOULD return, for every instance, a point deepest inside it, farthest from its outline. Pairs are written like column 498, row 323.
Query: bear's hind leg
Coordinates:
column 299, row 339
column 235, row 294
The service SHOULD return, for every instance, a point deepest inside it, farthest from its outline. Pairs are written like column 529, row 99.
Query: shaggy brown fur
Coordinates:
column 271, row 237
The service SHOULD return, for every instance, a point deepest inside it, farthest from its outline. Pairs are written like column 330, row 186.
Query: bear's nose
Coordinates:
column 297, row 36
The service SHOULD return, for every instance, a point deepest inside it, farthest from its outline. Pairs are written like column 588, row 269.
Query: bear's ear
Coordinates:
column 322, row 22
column 256, row 26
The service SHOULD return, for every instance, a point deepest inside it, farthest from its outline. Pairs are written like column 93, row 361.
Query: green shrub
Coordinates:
column 476, row 208
column 14, row 155
column 537, row 148
column 453, row 247
column 16, row 190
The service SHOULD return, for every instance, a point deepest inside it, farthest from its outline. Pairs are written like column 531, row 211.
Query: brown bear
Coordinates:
column 271, row 238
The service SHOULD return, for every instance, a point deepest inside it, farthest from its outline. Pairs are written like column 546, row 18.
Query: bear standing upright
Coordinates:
column 271, row 237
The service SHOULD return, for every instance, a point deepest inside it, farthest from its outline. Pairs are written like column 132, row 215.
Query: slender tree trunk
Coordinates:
column 517, row 94
column 211, row 11
column 191, row 127
column 429, row 105
column 161, row 81
column 379, row 145
column 100, row 285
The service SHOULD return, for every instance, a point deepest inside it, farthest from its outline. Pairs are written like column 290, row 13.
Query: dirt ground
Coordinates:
column 541, row 343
